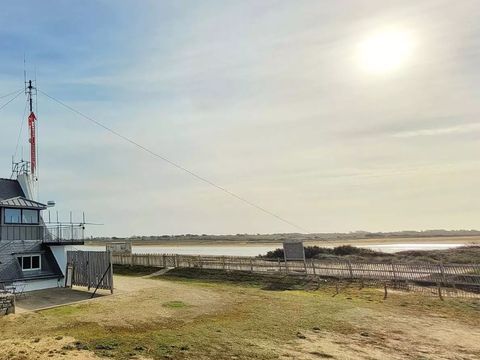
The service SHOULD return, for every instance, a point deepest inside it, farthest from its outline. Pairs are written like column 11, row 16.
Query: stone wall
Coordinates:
column 7, row 304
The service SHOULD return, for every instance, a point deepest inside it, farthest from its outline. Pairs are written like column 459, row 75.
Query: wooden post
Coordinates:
column 337, row 291
column 394, row 275
column 386, row 293
column 350, row 268
column 442, row 272
column 286, row 266
column 251, row 265
column 305, row 265
column 313, row 267
column 111, row 271
column 440, row 291
column 223, row 262
column 279, row 265
column 88, row 270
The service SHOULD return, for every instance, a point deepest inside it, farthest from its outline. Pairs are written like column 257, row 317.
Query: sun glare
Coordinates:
column 385, row 51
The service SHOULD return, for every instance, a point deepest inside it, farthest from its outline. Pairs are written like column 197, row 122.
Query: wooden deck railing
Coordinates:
column 450, row 275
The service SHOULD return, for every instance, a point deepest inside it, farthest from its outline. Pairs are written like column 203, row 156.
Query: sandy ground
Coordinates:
column 139, row 302
column 43, row 348
column 396, row 338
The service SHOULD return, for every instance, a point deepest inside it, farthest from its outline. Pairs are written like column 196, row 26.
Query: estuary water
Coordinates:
column 254, row 250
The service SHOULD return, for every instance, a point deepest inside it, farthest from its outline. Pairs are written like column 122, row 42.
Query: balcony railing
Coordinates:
column 64, row 233
column 49, row 233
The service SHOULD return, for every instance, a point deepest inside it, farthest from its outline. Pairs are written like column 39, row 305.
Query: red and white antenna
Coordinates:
column 29, row 89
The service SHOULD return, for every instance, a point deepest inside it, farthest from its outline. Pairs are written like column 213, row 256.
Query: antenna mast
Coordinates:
column 30, row 91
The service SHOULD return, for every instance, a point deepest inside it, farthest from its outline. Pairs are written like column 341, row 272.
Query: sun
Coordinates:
column 385, row 51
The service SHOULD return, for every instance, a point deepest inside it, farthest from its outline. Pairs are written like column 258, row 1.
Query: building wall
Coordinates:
column 27, row 184
column 33, row 285
column 21, row 232
column 60, row 254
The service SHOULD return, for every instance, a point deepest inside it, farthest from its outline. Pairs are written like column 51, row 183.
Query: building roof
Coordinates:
column 21, row 202
column 10, row 189
column 10, row 269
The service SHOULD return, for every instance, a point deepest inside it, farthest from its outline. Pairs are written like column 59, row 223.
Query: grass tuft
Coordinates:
column 174, row 304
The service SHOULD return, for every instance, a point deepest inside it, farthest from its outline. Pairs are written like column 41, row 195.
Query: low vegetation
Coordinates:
column 134, row 270
column 460, row 255
column 278, row 238
column 240, row 278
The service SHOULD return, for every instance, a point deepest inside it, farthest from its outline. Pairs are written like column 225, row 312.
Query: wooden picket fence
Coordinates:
column 461, row 276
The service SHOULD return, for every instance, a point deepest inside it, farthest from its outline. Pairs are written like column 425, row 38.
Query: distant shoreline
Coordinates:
column 468, row 240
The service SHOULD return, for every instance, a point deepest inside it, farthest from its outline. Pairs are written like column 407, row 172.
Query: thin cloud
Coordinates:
column 451, row 130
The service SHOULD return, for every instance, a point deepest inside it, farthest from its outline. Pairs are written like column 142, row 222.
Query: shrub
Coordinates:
column 274, row 254
column 317, row 252
column 352, row 250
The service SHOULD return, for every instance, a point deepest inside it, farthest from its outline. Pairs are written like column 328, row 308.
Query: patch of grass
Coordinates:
column 370, row 295
column 174, row 304
column 240, row 278
column 62, row 311
column 322, row 354
column 134, row 270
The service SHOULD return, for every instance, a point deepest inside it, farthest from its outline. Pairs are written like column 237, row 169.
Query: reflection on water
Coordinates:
column 391, row 248
column 253, row 250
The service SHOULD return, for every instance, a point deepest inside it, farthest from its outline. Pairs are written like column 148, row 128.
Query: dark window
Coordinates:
column 13, row 216
column 29, row 262
column 29, row 216
column 19, row 216
column 35, row 262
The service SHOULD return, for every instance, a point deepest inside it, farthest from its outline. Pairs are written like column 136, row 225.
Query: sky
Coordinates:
column 310, row 109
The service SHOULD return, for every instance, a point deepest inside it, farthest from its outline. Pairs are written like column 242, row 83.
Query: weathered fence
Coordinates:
column 92, row 269
column 450, row 275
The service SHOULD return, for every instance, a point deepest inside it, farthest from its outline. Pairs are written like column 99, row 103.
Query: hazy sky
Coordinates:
column 271, row 99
